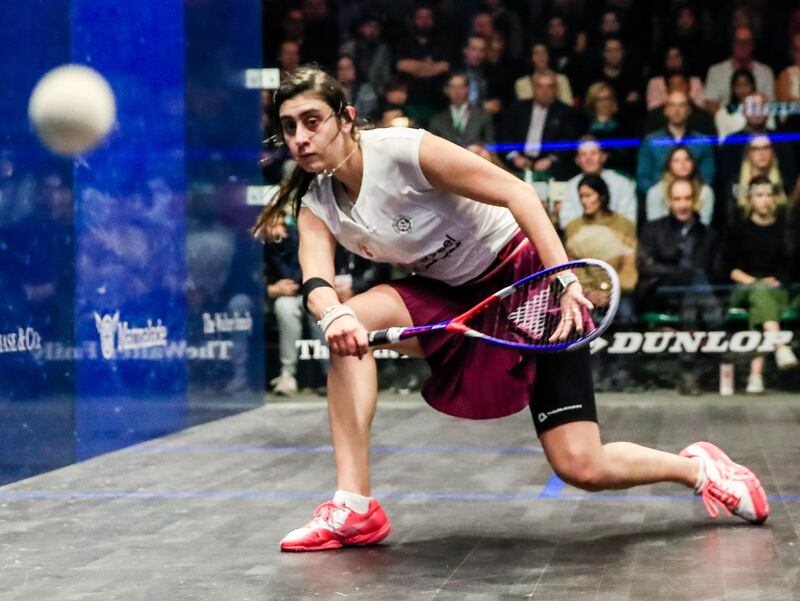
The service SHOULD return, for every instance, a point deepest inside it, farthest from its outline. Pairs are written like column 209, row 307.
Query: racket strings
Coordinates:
column 537, row 311
column 531, row 314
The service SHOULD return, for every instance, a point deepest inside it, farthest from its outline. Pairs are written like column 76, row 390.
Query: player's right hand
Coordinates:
column 346, row 337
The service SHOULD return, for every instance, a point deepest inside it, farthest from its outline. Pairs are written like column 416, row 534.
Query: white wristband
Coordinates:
column 332, row 313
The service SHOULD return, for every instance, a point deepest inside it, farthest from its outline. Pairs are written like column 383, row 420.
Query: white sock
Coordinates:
column 702, row 478
column 351, row 500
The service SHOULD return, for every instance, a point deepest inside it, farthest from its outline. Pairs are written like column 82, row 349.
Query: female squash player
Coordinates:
column 466, row 228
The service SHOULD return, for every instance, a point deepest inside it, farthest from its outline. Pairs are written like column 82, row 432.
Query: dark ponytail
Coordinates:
column 306, row 79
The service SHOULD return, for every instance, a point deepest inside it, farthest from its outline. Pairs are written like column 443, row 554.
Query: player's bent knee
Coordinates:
column 581, row 470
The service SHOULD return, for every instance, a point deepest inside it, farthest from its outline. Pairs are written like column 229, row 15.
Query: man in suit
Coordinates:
column 463, row 123
column 537, row 128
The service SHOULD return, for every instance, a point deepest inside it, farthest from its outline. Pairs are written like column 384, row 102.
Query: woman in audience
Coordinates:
column 759, row 159
column 657, row 85
column 362, row 95
column 679, row 164
column 600, row 233
column 606, row 122
column 758, row 260
column 787, row 87
column 730, row 119
column 540, row 60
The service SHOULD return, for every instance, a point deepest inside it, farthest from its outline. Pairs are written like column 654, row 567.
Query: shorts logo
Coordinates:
column 543, row 416
column 402, row 225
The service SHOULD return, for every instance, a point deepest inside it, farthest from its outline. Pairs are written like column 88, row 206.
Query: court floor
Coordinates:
column 477, row 514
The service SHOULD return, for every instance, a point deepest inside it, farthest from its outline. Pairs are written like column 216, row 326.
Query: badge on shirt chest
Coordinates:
column 402, row 225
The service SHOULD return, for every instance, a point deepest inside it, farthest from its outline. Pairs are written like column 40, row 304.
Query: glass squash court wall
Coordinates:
column 130, row 293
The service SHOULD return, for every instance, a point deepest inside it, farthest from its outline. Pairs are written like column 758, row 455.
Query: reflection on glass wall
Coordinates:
column 224, row 289
column 131, row 296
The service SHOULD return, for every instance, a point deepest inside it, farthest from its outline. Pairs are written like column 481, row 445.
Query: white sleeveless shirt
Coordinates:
column 400, row 218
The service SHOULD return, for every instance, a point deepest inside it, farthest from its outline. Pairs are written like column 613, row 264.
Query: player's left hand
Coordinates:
column 572, row 303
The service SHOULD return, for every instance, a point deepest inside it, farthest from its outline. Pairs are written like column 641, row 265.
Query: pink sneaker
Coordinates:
column 723, row 482
column 335, row 526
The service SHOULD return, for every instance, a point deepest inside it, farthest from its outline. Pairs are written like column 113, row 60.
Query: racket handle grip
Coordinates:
column 387, row 336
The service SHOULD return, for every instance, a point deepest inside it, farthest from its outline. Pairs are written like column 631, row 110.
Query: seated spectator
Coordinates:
column 793, row 229
column 360, row 94
column 288, row 55
column 424, row 60
column 600, row 233
column 760, row 156
column 622, row 74
column 591, row 159
column 679, row 164
column 461, row 122
column 282, row 267
column 290, row 28
column 474, row 57
column 452, row 22
column 483, row 25
column 655, row 147
column 787, row 88
column 321, row 33
column 729, row 118
column 699, row 120
column 759, row 159
column 534, row 124
column 758, row 121
column 606, row 122
column 394, row 115
column 683, row 28
column 395, row 96
column 719, row 75
column 371, row 54
column 499, row 77
column 609, row 25
column 679, row 253
column 758, row 262
column 540, row 61
column 562, row 45
column 657, row 85
column 508, row 22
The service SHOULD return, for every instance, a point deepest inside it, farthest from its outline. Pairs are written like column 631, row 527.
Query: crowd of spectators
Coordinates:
column 659, row 117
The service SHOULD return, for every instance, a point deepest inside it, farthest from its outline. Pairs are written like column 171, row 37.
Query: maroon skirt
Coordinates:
column 469, row 378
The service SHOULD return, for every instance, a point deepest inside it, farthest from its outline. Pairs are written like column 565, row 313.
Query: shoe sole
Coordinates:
column 329, row 545
column 371, row 538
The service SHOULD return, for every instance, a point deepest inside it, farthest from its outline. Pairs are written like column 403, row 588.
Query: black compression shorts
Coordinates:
column 563, row 391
